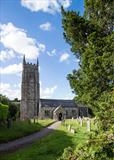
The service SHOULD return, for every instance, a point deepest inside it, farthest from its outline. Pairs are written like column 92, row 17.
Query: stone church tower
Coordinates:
column 30, row 93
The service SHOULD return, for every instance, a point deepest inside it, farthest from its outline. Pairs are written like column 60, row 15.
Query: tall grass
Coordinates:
column 22, row 128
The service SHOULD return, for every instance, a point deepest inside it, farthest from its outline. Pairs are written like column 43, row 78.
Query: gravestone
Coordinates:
column 69, row 127
column 88, row 125
column 72, row 130
column 81, row 121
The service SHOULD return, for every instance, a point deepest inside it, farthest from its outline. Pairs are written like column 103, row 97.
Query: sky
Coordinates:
column 34, row 28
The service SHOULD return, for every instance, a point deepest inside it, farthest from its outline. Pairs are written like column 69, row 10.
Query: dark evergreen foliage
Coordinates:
column 91, row 38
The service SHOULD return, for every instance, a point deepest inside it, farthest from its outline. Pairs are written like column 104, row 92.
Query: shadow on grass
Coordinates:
column 50, row 147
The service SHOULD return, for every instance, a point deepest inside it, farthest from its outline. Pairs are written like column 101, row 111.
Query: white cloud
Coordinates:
column 50, row 6
column 64, row 57
column 76, row 60
column 11, row 91
column 11, row 69
column 46, row 26
column 6, row 54
column 47, row 92
column 52, row 53
column 41, row 47
column 16, row 39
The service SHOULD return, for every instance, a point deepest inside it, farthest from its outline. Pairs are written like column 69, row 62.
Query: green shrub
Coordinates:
column 4, row 99
column 13, row 109
column 3, row 113
column 67, row 154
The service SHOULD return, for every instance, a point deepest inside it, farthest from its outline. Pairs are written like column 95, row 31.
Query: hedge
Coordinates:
column 3, row 113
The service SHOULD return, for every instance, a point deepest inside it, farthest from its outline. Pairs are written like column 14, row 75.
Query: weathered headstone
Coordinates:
column 72, row 130
column 69, row 127
column 88, row 125
column 35, row 119
column 81, row 121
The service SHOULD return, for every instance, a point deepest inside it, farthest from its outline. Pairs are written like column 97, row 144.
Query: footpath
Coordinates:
column 24, row 141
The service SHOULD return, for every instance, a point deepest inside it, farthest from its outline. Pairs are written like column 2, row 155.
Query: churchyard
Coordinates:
column 22, row 128
column 71, row 133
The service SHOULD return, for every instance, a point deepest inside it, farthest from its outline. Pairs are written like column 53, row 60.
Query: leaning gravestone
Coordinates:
column 72, row 118
column 69, row 127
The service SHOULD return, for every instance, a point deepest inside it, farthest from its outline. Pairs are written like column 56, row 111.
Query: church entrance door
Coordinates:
column 60, row 116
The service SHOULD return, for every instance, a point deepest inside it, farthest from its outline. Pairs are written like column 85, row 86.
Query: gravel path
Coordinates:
column 21, row 142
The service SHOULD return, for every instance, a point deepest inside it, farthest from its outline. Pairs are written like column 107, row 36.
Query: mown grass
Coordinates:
column 52, row 146
column 22, row 128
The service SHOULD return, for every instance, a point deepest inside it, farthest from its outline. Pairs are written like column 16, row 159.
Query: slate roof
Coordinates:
column 57, row 102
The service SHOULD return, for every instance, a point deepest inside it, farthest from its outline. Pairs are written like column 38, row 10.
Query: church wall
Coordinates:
column 83, row 111
column 47, row 112
column 71, row 112
column 23, row 110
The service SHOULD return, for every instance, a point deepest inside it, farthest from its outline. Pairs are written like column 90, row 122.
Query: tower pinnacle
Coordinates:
column 24, row 61
column 37, row 62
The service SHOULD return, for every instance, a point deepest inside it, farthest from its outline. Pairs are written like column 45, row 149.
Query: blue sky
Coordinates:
column 34, row 28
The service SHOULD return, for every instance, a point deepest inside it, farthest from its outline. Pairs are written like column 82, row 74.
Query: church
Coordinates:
column 33, row 106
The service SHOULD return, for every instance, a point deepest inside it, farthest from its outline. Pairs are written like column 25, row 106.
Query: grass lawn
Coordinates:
column 52, row 146
column 22, row 128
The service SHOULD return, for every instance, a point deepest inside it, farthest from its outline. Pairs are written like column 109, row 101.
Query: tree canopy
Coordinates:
column 91, row 38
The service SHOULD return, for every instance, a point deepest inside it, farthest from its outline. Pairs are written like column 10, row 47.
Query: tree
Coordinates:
column 16, row 100
column 4, row 99
column 13, row 109
column 9, row 110
column 3, row 113
column 4, row 102
column 93, row 44
column 91, row 38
